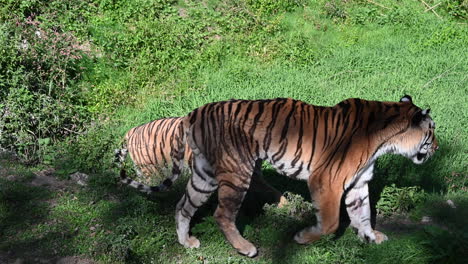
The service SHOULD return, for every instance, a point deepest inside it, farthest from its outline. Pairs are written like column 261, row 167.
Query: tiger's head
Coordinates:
column 418, row 142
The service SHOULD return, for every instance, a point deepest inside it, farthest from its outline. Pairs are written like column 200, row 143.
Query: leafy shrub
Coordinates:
column 336, row 10
column 92, row 151
column 29, row 121
column 399, row 199
column 450, row 35
column 39, row 102
column 456, row 8
column 126, row 11
column 296, row 208
column 50, row 58
column 457, row 182
column 268, row 7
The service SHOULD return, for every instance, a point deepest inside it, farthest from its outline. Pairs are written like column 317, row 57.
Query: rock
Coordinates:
column 80, row 178
column 73, row 260
column 11, row 178
column 426, row 220
column 46, row 178
column 66, row 260
column 18, row 261
column 451, row 204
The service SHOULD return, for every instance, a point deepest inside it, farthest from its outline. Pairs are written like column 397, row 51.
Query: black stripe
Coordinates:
column 389, row 120
column 314, row 137
column 296, row 173
column 239, row 189
column 280, row 153
column 193, row 116
column 325, row 129
column 277, row 105
column 189, row 199
column 255, row 121
column 284, row 132
column 199, row 189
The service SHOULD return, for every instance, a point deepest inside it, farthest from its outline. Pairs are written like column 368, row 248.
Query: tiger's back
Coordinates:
column 154, row 150
column 152, row 145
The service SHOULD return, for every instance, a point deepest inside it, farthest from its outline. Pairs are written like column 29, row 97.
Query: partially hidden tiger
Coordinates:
column 153, row 148
column 332, row 148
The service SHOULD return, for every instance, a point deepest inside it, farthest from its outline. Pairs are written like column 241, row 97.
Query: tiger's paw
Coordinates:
column 303, row 237
column 379, row 237
column 191, row 242
column 248, row 249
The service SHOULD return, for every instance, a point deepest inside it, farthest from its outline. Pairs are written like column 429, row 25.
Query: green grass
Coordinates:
column 115, row 224
column 320, row 52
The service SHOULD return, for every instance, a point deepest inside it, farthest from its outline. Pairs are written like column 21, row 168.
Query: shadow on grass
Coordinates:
column 447, row 237
column 45, row 248
column 131, row 216
column 22, row 206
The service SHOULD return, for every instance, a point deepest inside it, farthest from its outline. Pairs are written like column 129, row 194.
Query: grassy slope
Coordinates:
column 310, row 58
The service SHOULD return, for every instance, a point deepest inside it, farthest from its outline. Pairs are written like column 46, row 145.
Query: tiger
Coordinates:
column 332, row 148
column 153, row 150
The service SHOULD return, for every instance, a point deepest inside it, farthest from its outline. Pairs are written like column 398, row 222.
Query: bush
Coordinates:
column 92, row 151
column 456, row 8
column 296, row 208
column 39, row 102
column 399, row 199
column 268, row 7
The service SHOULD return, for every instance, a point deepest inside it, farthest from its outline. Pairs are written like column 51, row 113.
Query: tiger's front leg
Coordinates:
column 357, row 206
column 327, row 202
column 199, row 188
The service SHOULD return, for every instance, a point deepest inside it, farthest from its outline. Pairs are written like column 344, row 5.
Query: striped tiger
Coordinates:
column 333, row 149
column 153, row 149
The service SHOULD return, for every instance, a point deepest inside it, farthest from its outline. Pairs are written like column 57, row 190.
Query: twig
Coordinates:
column 333, row 76
column 377, row 4
column 30, row 132
column 71, row 131
column 429, row 9
column 440, row 75
column 428, row 6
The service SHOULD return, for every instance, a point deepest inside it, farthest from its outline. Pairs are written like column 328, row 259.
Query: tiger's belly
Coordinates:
column 297, row 171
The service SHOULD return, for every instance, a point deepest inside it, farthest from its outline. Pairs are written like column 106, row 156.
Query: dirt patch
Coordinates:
column 46, row 178
column 397, row 224
column 183, row 12
column 74, row 260
column 5, row 258
column 402, row 224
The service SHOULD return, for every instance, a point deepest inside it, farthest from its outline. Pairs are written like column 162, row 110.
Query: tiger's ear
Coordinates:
column 406, row 98
column 419, row 116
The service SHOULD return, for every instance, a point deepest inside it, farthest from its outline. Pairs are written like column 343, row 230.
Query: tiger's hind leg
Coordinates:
column 231, row 192
column 199, row 188
column 261, row 188
column 327, row 202
column 357, row 206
